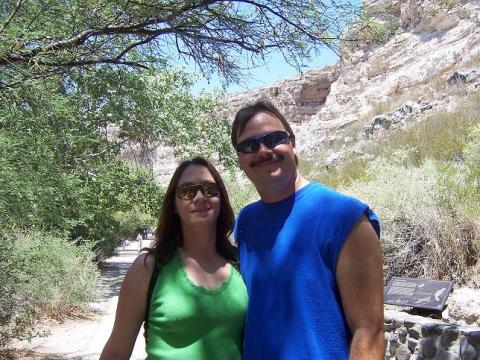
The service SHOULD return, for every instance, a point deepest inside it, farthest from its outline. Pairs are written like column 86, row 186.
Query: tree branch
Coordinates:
column 9, row 19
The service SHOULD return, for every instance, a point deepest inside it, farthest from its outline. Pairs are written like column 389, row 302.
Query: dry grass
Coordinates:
column 425, row 192
column 421, row 237
column 441, row 136
column 351, row 169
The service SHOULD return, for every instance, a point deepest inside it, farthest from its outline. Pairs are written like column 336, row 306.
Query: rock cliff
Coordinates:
column 409, row 53
column 405, row 55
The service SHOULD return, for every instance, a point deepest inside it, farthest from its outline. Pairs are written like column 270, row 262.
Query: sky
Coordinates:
column 275, row 69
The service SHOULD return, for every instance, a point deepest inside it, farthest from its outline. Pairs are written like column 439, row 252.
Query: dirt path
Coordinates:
column 83, row 339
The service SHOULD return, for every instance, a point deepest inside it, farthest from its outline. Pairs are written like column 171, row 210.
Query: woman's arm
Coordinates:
column 130, row 310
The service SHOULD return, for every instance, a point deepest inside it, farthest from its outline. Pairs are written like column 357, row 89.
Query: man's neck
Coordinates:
column 279, row 191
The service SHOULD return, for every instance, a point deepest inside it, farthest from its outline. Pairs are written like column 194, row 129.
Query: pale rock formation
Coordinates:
column 298, row 98
column 433, row 37
column 161, row 160
column 463, row 307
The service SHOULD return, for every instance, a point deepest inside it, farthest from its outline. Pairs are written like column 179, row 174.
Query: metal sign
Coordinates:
column 419, row 293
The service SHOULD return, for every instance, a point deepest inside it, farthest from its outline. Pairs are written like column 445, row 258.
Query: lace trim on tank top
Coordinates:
column 199, row 288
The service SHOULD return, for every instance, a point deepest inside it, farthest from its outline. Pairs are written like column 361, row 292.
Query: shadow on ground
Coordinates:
column 113, row 273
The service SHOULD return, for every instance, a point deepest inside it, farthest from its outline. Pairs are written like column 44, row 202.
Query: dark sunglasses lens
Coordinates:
column 210, row 190
column 274, row 138
column 248, row 146
column 186, row 192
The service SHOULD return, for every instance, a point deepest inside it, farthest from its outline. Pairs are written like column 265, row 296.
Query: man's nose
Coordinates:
column 263, row 148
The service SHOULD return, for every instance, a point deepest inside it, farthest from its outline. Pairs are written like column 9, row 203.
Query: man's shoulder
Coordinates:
column 248, row 209
column 324, row 192
column 336, row 201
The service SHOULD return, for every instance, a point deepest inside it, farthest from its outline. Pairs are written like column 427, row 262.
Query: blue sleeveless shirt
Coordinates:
column 288, row 256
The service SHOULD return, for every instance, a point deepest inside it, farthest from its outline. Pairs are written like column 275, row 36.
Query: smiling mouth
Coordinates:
column 201, row 210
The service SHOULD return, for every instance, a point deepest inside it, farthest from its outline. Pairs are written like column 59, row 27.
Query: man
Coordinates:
column 310, row 257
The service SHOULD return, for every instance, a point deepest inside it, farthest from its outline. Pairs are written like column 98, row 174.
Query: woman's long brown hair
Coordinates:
column 168, row 235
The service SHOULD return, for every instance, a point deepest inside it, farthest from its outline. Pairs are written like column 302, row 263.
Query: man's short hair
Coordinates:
column 249, row 111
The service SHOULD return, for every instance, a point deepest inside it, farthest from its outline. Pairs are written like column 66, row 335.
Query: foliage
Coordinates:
column 443, row 143
column 41, row 275
column 44, row 37
column 351, row 169
column 370, row 28
column 133, row 221
column 241, row 192
column 421, row 235
column 381, row 32
column 62, row 142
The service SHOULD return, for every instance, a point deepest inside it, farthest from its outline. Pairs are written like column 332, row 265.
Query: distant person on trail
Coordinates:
column 310, row 257
column 187, row 287
column 139, row 240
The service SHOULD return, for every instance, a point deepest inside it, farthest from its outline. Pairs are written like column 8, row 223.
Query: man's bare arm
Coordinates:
column 359, row 276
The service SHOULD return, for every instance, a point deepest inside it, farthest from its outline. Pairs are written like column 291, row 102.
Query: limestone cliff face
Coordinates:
column 417, row 44
column 299, row 98
column 429, row 39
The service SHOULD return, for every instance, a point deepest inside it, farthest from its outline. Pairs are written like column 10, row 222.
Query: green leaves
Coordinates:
column 64, row 140
column 44, row 37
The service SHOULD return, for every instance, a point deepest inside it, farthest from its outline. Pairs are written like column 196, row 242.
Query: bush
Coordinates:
column 421, row 237
column 351, row 169
column 241, row 195
column 41, row 275
column 441, row 137
column 133, row 221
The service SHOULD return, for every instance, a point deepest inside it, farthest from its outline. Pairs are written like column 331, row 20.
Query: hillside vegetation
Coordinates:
column 424, row 184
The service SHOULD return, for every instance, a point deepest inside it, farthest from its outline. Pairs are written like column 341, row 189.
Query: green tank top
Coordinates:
column 187, row 321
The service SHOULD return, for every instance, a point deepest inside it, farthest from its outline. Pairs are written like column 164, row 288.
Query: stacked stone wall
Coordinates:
column 416, row 337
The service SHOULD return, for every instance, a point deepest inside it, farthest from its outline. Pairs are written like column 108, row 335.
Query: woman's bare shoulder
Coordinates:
column 143, row 263
column 141, row 270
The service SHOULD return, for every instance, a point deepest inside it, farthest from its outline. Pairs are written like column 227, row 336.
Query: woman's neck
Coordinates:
column 199, row 242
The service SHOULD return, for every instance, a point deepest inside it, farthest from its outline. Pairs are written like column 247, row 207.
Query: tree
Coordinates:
column 62, row 139
column 43, row 37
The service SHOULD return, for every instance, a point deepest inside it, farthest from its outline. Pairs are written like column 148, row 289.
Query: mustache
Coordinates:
column 268, row 158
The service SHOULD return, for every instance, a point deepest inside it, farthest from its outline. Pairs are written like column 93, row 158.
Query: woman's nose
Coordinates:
column 197, row 196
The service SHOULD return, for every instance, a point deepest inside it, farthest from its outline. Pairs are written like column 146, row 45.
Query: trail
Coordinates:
column 83, row 339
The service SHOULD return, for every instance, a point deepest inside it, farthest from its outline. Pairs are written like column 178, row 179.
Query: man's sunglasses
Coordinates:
column 188, row 192
column 270, row 140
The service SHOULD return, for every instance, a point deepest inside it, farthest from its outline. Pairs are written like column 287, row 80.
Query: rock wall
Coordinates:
column 432, row 38
column 415, row 337
column 467, row 81
column 299, row 98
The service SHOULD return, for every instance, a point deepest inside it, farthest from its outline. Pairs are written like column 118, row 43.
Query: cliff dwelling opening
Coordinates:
column 312, row 97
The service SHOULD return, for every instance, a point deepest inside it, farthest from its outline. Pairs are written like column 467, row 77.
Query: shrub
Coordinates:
column 421, row 237
column 351, row 169
column 240, row 194
column 41, row 275
column 133, row 221
column 432, row 138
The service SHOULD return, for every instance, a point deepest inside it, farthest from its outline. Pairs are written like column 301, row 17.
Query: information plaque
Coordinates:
column 419, row 293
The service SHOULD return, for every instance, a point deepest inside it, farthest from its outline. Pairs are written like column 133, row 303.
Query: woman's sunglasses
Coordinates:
column 270, row 140
column 188, row 192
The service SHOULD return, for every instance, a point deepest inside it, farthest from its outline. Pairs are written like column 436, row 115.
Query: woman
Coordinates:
column 197, row 300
